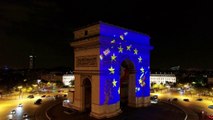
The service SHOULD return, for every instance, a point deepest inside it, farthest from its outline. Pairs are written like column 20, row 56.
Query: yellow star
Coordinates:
column 128, row 47
column 113, row 41
column 119, row 90
column 142, row 70
column 113, row 57
column 114, row 82
column 140, row 81
column 135, row 51
column 112, row 70
column 140, row 59
column 120, row 49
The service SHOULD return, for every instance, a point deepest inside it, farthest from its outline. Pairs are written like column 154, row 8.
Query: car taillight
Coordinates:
column 210, row 117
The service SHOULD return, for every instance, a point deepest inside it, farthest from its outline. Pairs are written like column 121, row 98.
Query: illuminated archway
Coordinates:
column 112, row 53
column 127, row 86
column 100, row 50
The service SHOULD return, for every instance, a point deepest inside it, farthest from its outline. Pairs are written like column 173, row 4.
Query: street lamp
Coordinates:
column 35, row 87
column 38, row 81
column 211, row 97
column 20, row 92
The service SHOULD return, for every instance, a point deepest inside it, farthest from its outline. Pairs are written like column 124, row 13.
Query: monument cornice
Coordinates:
column 86, row 71
column 85, row 42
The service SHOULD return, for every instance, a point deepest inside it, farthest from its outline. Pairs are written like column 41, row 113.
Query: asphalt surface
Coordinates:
column 160, row 111
column 40, row 113
column 10, row 103
column 35, row 112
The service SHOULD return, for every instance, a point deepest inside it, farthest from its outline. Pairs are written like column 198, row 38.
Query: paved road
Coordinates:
column 40, row 113
column 194, row 107
column 7, row 104
column 10, row 103
column 160, row 111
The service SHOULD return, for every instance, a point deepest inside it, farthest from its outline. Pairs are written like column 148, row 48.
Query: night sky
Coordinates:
column 181, row 32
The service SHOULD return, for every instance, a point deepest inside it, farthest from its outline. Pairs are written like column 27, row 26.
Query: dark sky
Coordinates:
column 181, row 32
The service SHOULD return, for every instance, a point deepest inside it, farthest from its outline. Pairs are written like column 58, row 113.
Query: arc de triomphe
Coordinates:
column 112, row 69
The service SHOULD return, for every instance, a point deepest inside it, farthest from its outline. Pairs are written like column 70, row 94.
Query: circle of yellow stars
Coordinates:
column 113, row 58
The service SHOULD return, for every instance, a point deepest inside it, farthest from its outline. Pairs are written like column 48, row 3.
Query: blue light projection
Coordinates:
column 116, row 45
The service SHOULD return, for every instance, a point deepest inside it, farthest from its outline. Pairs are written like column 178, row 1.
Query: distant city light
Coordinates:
column 19, row 87
column 38, row 81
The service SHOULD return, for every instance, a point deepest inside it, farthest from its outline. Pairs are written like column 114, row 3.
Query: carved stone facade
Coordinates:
column 90, row 57
column 87, row 61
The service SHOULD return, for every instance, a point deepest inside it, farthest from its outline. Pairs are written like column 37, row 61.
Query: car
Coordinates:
column 186, row 100
column 210, row 106
column 10, row 116
column 154, row 101
column 199, row 99
column 155, row 96
column 20, row 105
column 210, row 117
column 13, row 112
column 43, row 96
column 30, row 96
column 38, row 101
column 25, row 116
column 48, row 96
column 174, row 99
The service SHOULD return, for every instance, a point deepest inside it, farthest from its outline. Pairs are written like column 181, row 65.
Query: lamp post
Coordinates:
column 211, row 97
column 35, row 87
column 20, row 92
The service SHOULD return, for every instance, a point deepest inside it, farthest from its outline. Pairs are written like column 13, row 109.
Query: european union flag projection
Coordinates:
column 116, row 45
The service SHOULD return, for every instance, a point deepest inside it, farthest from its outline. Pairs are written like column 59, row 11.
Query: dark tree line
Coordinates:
column 9, row 79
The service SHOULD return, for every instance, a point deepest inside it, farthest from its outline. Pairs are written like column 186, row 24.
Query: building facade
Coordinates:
column 162, row 78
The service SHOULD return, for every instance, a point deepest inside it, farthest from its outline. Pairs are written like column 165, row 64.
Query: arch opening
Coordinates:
column 87, row 94
column 126, row 82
